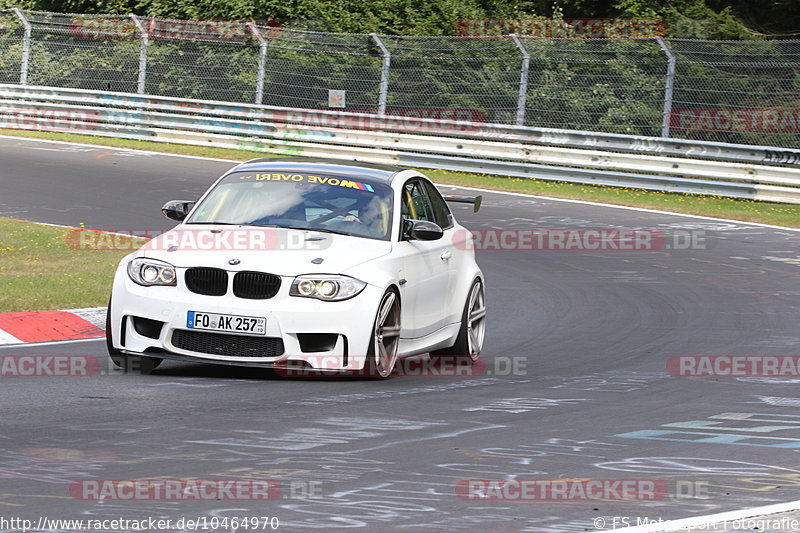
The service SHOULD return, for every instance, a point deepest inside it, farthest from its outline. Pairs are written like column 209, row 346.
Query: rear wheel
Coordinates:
column 473, row 326
column 385, row 341
column 129, row 363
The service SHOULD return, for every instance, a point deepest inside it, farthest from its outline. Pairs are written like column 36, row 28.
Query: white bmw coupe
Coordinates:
column 333, row 266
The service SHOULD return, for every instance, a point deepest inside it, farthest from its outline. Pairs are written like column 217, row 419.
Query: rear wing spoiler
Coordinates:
column 476, row 200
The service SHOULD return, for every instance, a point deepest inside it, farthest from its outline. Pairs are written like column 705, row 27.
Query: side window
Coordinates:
column 441, row 212
column 415, row 203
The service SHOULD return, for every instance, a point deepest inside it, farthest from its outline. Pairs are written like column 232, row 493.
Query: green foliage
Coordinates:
column 611, row 85
column 773, row 18
column 688, row 19
column 715, row 19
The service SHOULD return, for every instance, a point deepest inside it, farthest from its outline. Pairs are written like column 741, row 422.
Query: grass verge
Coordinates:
column 44, row 267
column 693, row 204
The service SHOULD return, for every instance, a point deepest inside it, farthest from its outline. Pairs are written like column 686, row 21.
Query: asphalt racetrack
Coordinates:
column 579, row 383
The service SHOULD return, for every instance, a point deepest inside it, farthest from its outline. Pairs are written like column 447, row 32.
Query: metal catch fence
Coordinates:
column 744, row 92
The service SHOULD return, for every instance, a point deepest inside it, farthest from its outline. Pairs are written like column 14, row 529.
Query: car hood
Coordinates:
column 279, row 251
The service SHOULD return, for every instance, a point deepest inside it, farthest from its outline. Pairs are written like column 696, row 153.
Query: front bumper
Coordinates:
column 149, row 320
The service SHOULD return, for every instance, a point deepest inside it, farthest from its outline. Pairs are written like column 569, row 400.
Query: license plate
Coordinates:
column 229, row 323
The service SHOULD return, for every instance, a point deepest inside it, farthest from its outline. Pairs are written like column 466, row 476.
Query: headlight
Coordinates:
column 149, row 272
column 326, row 288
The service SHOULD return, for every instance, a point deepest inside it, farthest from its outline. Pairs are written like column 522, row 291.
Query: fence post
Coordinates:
column 667, row 87
column 262, row 62
column 386, row 62
column 140, row 88
column 26, row 47
column 523, row 80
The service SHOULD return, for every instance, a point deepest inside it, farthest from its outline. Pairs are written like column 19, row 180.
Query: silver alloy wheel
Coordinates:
column 386, row 334
column 476, row 320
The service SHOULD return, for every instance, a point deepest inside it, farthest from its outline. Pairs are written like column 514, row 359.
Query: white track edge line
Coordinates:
column 7, row 338
column 707, row 521
column 135, row 150
column 48, row 343
column 584, row 202
column 630, row 208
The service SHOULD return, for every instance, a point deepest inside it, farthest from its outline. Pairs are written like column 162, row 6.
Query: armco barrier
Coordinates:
column 753, row 172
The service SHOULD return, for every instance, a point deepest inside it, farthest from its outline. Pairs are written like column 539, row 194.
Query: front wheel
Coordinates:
column 383, row 346
column 473, row 326
column 128, row 363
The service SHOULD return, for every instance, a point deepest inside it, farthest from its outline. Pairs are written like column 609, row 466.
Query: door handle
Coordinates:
column 446, row 255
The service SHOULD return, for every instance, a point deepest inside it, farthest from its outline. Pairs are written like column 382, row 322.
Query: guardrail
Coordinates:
column 741, row 171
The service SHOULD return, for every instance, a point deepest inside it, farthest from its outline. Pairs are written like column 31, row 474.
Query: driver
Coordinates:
column 371, row 217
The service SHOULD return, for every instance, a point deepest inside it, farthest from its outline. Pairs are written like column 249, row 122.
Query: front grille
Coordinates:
column 256, row 285
column 207, row 281
column 227, row 345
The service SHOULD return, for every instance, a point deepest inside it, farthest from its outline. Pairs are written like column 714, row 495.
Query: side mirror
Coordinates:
column 177, row 209
column 422, row 230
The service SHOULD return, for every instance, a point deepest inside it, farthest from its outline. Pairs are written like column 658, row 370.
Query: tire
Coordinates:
column 469, row 341
column 128, row 363
column 385, row 339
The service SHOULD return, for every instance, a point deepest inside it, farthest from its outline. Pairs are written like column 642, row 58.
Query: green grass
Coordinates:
column 694, row 204
column 713, row 206
column 44, row 267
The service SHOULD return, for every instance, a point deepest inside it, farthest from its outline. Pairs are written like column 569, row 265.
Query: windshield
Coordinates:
column 299, row 201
